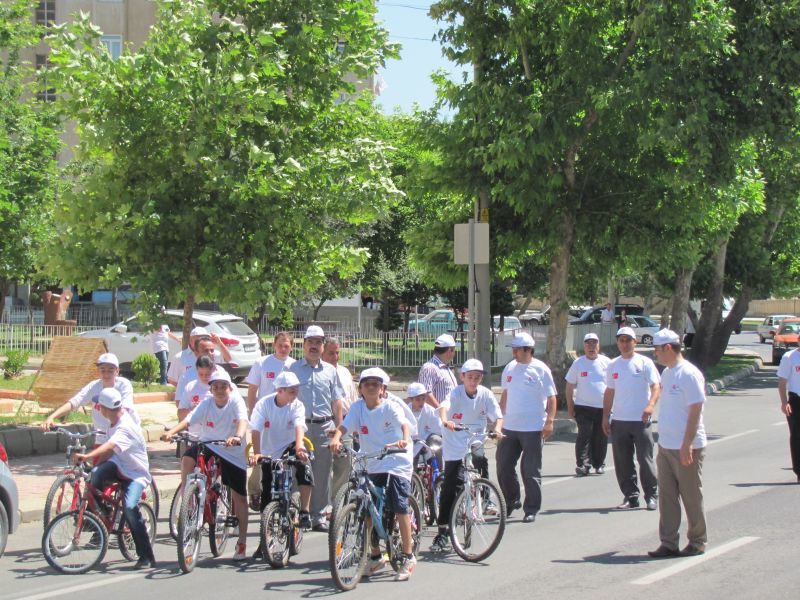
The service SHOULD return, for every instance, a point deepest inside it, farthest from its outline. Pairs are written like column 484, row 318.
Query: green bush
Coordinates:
column 146, row 368
column 15, row 362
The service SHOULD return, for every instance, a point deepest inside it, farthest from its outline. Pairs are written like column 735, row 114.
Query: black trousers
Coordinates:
column 454, row 481
column 794, row 431
column 591, row 445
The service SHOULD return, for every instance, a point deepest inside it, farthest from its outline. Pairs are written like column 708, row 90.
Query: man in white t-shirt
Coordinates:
column 528, row 404
column 681, row 448
column 261, row 378
column 123, row 458
column 632, row 390
column 607, row 314
column 586, row 384
column 159, row 341
column 789, row 393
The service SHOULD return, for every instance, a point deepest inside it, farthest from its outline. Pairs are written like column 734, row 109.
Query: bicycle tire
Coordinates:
column 218, row 529
column 296, row 541
column 474, row 533
column 190, row 525
column 152, row 496
column 432, row 503
column 342, row 498
column 60, row 498
column 58, row 542
column 348, row 548
column 395, row 540
column 174, row 511
column 276, row 534
column 125, row 538
column 418, row 489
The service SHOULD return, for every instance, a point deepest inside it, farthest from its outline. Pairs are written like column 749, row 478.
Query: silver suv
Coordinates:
column 9, row 501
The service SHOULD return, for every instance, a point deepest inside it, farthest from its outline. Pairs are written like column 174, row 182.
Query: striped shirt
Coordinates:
column 438, row 377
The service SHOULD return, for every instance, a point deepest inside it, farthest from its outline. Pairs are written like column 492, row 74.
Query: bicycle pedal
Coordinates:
column 231, row 521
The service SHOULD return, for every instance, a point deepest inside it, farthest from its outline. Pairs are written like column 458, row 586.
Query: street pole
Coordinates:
column 471, row 350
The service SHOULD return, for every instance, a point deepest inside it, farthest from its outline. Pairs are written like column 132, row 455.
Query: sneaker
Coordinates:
column 582, row 471
column 600, row 470
column 441, row 543
column 490, row 508
column 145, row 562
column 529, row 518
column 405, row 569
column 322, row 526
column 663, row 552
column 305, row 520
column 375, row 564
column 652, row 504
column 241, row 552
column 629, row 503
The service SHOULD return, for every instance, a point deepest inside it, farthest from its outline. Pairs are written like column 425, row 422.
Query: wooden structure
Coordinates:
column 69, row 364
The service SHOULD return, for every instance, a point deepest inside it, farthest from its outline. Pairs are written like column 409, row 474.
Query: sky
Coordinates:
column 408, row 79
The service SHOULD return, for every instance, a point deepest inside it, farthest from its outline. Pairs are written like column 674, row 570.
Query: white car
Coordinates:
column 644, row 328
column 767, row 329
column 128, row 340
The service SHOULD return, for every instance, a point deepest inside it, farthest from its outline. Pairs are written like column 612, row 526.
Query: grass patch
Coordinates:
column 10, row 421
column 24, row 382
column 728, row 365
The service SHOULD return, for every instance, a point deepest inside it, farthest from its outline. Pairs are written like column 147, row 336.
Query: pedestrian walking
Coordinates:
column 437, row 374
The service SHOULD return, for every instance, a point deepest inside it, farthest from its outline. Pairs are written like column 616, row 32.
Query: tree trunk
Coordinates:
column 711, row 314
column 525, row 304
column 188, row 309
column 255, row 321
column 722, row 334
column 114, row 307
column 680, row 299
column 4, row 287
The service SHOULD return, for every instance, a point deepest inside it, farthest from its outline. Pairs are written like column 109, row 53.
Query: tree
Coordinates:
column 28, row 144
column 216, row 160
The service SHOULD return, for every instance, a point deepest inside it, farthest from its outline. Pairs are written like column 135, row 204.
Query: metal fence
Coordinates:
column 34, row 338
column 85, row 314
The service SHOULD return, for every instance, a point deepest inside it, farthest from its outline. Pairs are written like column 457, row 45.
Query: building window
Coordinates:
column 44, row 93
column 113, row 44
column 46, row 13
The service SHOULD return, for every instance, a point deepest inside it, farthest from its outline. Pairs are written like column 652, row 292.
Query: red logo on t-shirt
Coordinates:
column 584, row 373
column 364, row 430
column 266, row 424
column 458, row 416
column 615, row 376
column 508, row 379
column 210, row 424
column 270, row 375
column 97, row 406
column 195, row 399
column 797, row 368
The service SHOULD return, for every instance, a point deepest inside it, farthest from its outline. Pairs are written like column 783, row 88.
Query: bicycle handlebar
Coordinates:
column 75, row 435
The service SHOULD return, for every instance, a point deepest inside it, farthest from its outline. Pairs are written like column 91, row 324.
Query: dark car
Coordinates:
column 592, row 315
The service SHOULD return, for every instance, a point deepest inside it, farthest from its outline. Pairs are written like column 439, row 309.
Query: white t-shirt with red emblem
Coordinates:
column 631, row 378
column 90, row 393
column 264, row 371
column 378, row 427
column 789, row 370
column 470, row 412
column 277, row 424
column 527, row 387
column 589, row 378
column 428, row 422
column 219, row 424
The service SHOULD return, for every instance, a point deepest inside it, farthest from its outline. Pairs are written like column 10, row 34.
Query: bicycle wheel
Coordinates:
column 70, row 547
column 296, row 540
column 432, row 502
column 174, row 511
column 61, row 498
column 341, row 498
column 418, row 489
column 396, row 541
column 347, row 547
column 220, row 528
column 474, row 533
column 152, row 496
column 190, row 526
column 276, row 535
column 125, row 537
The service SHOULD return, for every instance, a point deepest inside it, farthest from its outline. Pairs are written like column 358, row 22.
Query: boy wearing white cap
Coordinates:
column 428, row 421
column 586, row 384
column 469, row 405
column 437, row 374
column 108, row 368
column 185, row 359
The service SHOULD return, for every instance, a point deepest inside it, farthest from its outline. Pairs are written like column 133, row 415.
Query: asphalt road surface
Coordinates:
column 579, row 547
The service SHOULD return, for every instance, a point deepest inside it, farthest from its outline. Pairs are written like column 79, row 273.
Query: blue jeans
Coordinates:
column 104, row 475
column 163, row 362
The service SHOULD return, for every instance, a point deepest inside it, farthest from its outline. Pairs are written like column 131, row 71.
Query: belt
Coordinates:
column 319, row 420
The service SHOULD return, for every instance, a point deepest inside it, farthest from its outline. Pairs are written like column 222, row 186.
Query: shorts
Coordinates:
column 396, row 491
column 232, row 476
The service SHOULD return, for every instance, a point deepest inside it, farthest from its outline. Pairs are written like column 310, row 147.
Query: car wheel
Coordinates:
column 4, row 528
column 647, row 339
column 760, row 339
column 776, row 359
column 737, row 331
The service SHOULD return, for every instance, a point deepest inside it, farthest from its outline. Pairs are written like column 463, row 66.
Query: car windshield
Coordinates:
column 235, row 327
column 790, row 328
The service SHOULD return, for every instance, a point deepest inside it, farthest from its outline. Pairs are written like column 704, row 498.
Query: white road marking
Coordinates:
column 84, row 586
column 779, row 423
column 732, row 437
column 687, row 563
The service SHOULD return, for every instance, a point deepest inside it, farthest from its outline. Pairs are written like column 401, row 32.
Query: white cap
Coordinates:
column 314, row 331
column 110, row 398
column 472, row 364
column 445, row 341
column 286, row 379
column 220, row 375
column 374, row 373
column 591, row 336
column 198, row 331
column 108, row 359
column 626, row 331
column 522, row 340
column 666, row 336
column 416, row 389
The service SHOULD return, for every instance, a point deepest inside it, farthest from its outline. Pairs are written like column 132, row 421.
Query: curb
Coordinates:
column 718, row 385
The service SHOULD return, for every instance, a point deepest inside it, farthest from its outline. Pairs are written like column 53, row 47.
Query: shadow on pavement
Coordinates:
column 611, row 558
column 602, row 511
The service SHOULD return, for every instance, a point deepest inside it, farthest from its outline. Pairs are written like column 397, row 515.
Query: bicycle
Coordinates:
column 76, row 541
column 60, row 497
column 430, row 475
column 281, row 534
column 349, row 544
column 204, row 501
column 475, row 527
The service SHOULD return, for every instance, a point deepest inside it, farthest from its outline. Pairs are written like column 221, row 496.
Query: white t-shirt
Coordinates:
column 264, row 371
column 277, row 424
column 631, row 378
column 185, row 360
column 219, row 424
column 130, row 450
column 377, row 427
column 681, row 386
column 350, row 393
column 589, row 379
column 190, row 376
column 428, row 422
column 471, row 412
column 159, row 339
column 789, row 370
column 412, row 421
column 89, row 394
column 527, row 386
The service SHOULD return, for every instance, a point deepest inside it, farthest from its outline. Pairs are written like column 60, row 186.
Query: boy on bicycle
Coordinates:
column 278, row 421
column 380, row 422
column 428, row 421
column 123, row 458
column 470, row 405
column 223, row 415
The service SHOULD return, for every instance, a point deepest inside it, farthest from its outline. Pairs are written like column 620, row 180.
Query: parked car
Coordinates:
column 542, row 317
column 769, row 327
column 509, row 324
column 9, row 501
column 438, row 321
column 644, row 328
column 128, row 339
column 785, row 339
column 592, row 315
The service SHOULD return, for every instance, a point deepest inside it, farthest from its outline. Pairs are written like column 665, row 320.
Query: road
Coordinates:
column 579, row 547
column 748, row 340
